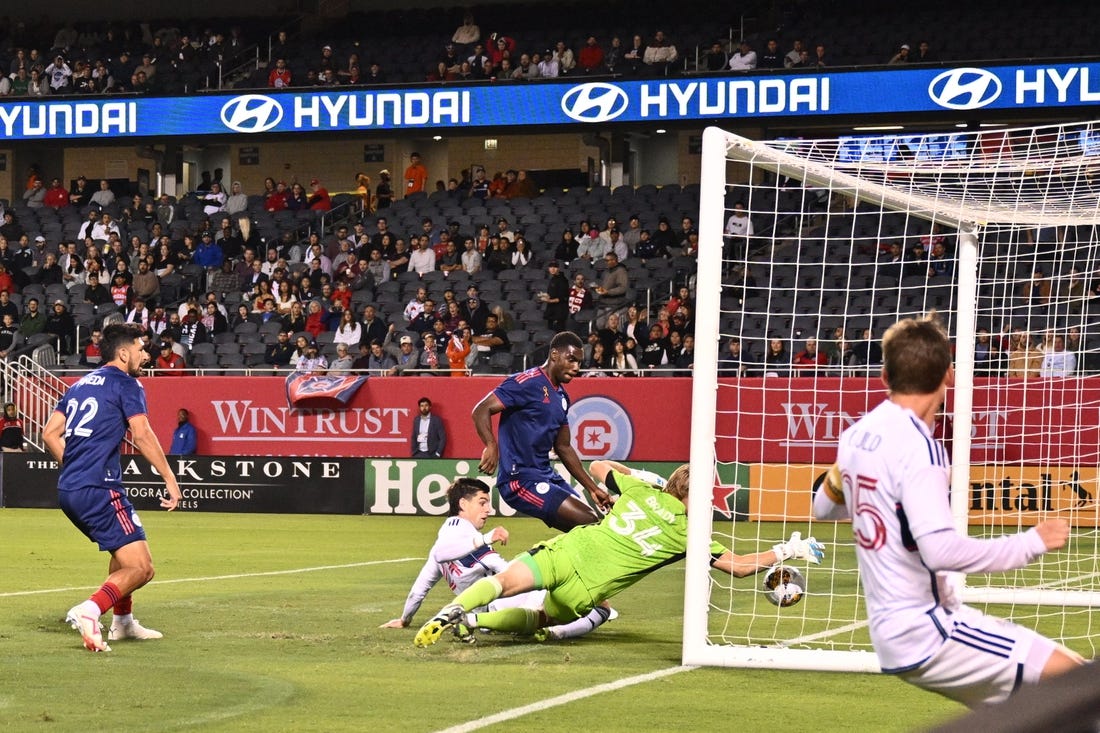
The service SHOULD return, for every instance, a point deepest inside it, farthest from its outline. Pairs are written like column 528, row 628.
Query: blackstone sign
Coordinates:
column 209, row 483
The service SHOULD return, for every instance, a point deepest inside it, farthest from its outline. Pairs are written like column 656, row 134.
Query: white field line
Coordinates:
column 234, row 576
column 565, row 699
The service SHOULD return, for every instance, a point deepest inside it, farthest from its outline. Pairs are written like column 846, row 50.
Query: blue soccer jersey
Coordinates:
column 97, row 410
column 534, row 412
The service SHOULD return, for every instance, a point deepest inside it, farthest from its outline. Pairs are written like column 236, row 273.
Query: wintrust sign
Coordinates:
column 242, row 422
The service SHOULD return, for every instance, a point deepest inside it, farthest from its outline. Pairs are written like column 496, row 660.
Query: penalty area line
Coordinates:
column 234, row 576
column 565, row 699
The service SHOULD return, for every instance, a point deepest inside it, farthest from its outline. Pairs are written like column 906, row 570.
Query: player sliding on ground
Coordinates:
column 646, row 529
column 463, row 554
column 895, row 476
column 83, row 434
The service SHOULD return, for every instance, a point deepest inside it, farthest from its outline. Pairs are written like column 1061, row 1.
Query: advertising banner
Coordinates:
column 637, row 419
column 1000, row 496
column 540, row 104
column 419, row 487
column 209, row 483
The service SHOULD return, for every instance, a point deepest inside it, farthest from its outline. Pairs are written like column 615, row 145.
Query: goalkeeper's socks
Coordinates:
column 594, row 618
column 510, row 620
column 481, row 593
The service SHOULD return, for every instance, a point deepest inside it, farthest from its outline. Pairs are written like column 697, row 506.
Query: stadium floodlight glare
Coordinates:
column 831, row 254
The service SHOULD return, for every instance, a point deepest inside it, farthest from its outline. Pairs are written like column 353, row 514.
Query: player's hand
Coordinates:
column 397, row 623
column 602, row 498
column 1053, row 532
column 171, row 502
column 489, row 458
column 499, row 534
column 808, row 549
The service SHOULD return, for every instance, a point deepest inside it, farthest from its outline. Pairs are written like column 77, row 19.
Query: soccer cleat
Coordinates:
column 132, row 630
column 464, row 634
column 89, row 628
column 431, row 631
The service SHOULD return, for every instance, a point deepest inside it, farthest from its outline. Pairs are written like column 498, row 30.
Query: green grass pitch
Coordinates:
column 271, row 624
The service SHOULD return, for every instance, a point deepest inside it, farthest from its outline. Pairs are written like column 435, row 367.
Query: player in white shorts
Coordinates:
column 891, row 478
column 463, row 554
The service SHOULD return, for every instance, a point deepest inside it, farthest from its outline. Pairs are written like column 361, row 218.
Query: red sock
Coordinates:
column 107, row 596
column 124, row 605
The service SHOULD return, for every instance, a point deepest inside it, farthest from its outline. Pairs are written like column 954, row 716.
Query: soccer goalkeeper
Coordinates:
column 646, row 529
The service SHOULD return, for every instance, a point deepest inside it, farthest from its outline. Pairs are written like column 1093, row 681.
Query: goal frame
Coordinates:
column 719, row 147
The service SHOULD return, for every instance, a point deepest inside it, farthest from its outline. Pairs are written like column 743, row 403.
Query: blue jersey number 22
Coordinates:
column 86, row 411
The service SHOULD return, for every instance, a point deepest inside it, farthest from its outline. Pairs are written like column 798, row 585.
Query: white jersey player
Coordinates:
column 891, row 478
column 463, row 554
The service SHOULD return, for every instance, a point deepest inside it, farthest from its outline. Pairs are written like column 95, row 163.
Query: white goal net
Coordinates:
column 809, row 250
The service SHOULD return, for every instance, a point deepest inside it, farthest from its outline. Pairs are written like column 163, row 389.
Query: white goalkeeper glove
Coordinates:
column 808, row 549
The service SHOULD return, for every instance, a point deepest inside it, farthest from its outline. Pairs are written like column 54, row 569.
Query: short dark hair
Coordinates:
column 564, row 340
column 463, row 488
column 424, row 399
column 116, row 335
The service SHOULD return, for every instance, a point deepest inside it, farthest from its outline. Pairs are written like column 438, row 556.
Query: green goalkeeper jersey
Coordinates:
column 645, row 530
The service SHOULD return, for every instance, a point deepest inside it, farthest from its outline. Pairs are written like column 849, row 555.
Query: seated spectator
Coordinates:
column 312, row 361
column 716, row 58
column 280, row 76
column 492, row 339
column 744, row 59
column 405, row 356
column 1024, row 360
column 777, row 361
column 901, row 57
column 595, row 362
column 90, row 354
column 280, row 353
column 319, row 199
column 563, row 55
column 1058, row 362
column 771, row 57
column 168, row 361
column 660, row 54
column 342, row 365
column 590, row 60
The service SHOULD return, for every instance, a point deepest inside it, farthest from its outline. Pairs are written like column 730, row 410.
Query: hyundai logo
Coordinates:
column 965, row 88
column 595, row 102
column 251, row 113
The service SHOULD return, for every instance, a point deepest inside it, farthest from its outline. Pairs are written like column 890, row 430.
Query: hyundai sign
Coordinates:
column 893, row 91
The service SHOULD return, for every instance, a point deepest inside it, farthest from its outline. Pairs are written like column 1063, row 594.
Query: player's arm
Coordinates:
column 463, row 540
column 427, row 578
column 146, row 441
column 53, row 435
column 572, row 462
column 829, row 497
column 601, row 468
column 483, row 423
column 795, row 548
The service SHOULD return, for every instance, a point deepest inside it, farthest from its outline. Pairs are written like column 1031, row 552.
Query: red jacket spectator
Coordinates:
column 56, row 196
column 279, row 78
column 319, row 200
column 590, row 57
column 276, row 201
column 811, row 356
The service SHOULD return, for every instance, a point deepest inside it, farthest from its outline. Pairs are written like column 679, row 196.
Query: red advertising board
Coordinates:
column 640, row 419
column 766, row 420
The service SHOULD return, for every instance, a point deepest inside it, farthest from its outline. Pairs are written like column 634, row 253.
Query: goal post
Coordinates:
column 832, row 256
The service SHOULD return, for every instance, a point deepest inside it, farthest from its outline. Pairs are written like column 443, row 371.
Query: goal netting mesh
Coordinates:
column 809, row 250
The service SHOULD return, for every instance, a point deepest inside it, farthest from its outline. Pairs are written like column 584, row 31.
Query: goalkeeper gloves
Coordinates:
column 808, row 549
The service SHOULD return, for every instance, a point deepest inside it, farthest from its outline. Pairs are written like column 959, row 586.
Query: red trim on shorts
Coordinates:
column 121, row 514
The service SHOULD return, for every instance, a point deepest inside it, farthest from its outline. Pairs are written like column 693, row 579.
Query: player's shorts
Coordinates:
column 537, row 494
column 983, row 660
column 567, row 598
column 105, row 516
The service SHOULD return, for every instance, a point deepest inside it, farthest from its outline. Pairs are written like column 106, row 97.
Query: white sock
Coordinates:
column 594, row 618
column 124, row 618
column 89, row 608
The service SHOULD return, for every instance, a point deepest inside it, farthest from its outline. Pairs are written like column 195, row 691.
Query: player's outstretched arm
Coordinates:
column 427, row 578
column 483, row 423
column 146, row 441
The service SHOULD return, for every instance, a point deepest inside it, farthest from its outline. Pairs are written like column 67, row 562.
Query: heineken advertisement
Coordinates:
column 419, row 487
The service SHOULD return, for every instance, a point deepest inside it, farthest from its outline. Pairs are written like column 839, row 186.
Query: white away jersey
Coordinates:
column 456, row 558
column 895, row 483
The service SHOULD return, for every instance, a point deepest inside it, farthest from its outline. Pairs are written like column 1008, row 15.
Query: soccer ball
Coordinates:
column 784, row 586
